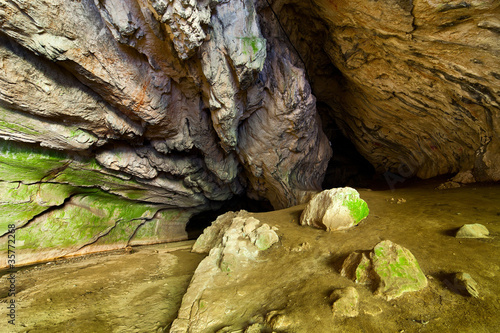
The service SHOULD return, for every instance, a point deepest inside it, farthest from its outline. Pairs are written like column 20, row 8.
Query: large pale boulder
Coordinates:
column 335, row 209
column 233, row 242
column 474, row 230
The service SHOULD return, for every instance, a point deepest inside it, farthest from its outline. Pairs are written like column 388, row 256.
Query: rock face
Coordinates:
column 335, row 209
column 176, row 104
column 185, row 104
column 414, row 84
column 390, row 268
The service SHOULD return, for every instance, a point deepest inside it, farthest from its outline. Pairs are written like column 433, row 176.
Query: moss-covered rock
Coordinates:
column 335, row 209
column 390, row 268
column 92, row 222
column 19, row 203
column 65, row 204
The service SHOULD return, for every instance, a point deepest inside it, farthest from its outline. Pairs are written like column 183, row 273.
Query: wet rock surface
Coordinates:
column 283, row 290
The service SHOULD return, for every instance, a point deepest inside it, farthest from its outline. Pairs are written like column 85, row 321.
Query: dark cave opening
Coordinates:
column 197, row 223
column 347, row 167
column 308, row 38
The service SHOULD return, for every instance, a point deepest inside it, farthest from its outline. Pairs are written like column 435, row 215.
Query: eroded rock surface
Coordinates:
column 183, row 104
column 233, row 242
column 414, row 84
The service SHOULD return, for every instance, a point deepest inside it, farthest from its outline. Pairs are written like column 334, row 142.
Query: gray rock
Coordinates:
column 335, row 209
column 233, row 241
column 475, row 230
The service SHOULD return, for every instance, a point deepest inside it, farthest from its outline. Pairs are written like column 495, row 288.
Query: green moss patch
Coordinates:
column 84, row 219
column 358, row 208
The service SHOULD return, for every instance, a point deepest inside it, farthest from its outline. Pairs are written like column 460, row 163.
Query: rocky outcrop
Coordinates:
column 233, row 243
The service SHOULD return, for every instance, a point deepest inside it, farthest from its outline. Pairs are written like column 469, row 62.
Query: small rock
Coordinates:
column 302, row 247
column 372, row 310
column 278, row 321
column 255, row 328
column 335, row 209
column 475, row 230
column 448, row 185
column 346, row 302
column 465, row 284
column 464, row 177
column 358, row 267
column 263, row 237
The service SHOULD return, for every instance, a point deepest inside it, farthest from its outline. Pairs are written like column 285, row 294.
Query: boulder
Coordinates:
column 465, row 284
column 335, row 209
column 233, row 242
column 390, row 268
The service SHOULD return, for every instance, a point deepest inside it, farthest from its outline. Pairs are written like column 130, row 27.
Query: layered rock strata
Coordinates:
column 414, row 85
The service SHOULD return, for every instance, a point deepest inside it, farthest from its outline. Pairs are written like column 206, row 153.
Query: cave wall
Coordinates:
column 415, row 85
column 121, row 119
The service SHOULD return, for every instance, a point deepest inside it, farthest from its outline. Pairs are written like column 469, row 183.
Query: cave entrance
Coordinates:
column 197, row 223
column 347, row 167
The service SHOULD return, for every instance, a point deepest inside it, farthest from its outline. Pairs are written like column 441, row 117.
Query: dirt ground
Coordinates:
column 141, row 291
column 107, row 292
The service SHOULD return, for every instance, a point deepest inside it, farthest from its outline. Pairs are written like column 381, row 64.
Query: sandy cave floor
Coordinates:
column 141, row 291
